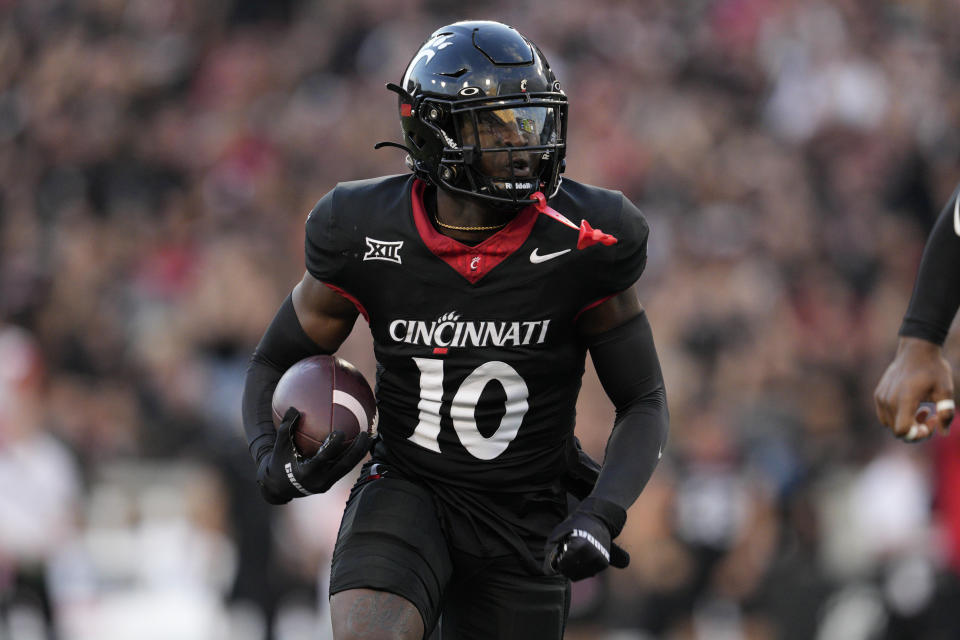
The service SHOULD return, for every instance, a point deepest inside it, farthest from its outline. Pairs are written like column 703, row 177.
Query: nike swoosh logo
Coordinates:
column 956, row 216
column 537, row 259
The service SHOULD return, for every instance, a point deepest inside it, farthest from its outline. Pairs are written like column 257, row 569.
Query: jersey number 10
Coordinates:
column 464, row 405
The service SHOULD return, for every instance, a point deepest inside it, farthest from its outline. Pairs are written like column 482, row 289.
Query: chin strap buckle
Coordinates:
column 588, row 235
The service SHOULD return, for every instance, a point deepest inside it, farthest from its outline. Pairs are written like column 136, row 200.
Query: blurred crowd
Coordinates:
column 157, row 162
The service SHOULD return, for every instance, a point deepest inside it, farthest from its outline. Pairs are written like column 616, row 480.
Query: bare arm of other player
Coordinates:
column 919, row 373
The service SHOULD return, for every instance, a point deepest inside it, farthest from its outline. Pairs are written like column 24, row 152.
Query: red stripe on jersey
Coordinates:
column 472, row 262
column 595, row 303
column 440, row 350
column 356, row 303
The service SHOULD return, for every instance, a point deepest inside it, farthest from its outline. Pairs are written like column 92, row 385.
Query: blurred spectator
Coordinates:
column 40, row 503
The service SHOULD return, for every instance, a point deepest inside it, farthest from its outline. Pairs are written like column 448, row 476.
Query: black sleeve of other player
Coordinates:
column 936, row 293
column 284, row 344
column 626, row 362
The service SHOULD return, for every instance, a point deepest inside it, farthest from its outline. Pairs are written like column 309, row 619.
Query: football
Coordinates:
column 331, row 394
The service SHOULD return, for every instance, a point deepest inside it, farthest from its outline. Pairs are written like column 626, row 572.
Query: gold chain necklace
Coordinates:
column 456, row 227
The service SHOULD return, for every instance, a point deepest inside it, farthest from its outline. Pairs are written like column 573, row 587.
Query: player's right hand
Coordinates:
column 284, row 474
column 919, row 373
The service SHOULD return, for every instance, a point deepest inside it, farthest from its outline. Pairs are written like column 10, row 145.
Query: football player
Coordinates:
column 919, row 374
column 483, row 296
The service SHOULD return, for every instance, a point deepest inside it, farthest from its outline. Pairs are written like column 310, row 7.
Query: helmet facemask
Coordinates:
column 507, row 153
column 500, row 150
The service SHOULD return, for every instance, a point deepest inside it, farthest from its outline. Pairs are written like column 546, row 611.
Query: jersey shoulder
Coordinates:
column 601, row 206
column 371, row 190
column 337, row 225
column 619, row 266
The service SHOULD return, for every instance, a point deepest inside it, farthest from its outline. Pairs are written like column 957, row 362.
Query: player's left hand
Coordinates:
column 580, row 546
column 579, row 480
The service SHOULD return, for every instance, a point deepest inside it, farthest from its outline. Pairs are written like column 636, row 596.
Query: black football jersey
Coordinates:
column 479, row 364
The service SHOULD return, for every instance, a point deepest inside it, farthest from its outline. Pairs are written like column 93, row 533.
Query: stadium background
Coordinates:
column 158, row 159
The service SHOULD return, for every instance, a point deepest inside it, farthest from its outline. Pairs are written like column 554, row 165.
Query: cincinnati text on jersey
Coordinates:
column 449, row 331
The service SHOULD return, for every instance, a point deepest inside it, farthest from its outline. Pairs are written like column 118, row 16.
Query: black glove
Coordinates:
column 283, row 474
column 581, row 476
column 580, row 546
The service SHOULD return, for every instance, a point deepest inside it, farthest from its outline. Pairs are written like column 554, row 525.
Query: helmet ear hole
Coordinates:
column 448, row 173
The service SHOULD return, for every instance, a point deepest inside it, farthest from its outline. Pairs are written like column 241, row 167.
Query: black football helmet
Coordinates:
column 483, row 115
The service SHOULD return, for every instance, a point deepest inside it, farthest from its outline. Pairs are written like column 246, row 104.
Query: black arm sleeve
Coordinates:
column 628, row 368
column 936, row 293
column 284, row 344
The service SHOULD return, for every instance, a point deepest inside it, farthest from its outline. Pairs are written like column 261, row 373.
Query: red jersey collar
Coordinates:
column 476, row 261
